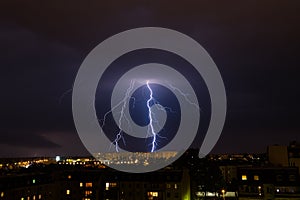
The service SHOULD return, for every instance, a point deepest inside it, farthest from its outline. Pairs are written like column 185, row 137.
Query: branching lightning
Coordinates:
column 122, row 103
column 185, row 95
column 151, row 101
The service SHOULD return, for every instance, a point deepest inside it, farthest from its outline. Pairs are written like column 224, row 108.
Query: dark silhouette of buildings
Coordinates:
column 223, row 176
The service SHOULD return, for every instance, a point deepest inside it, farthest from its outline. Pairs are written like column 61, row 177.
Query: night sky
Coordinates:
column 255, row 44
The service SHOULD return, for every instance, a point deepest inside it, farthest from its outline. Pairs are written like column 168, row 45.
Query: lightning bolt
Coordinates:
column 60, row 100
column 151, row 127
column 151, row 115
column 185, row 95
column 122, row 103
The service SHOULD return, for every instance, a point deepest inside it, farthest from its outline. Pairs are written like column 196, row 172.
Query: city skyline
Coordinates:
column 240, row 176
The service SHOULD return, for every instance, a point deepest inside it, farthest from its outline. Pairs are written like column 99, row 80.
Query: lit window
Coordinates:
column 152, row 194
column 88, row 184
column 88, row 192
column 244, row 177
column 69, row 176
column 80, row 184
column 256, row 177
column 40, row 196
column 108, row 185
column 175, row 186
column 68, row 192
column 2, row 194
column 33, row 198
column 33, row 181
column 22, row 198
column 112, row 184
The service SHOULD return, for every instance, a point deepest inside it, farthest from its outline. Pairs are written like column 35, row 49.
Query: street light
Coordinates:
column 223, row 193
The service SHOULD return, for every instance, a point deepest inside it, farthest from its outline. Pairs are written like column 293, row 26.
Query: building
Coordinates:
column 80, row 183
column 278, row 155
column 32, row 186
column 269, row 183
column 294, row 154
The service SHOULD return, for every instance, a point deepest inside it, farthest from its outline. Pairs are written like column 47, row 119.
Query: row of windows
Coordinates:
column 86, row 193
column 278, row 178
column 169, row 186
column 107, row 185
column 255, row 177
column 89, row 184
column 113, row 184
column 153, row 186
column 34, row 197
column 110, row 185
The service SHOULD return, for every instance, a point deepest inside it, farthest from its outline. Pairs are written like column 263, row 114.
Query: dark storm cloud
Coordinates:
column 255, row 45
column 35, row 74
column 22, row 143
column 23, row 138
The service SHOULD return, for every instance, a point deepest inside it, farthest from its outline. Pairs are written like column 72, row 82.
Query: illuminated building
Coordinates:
column 71, row 182
column 268, row 183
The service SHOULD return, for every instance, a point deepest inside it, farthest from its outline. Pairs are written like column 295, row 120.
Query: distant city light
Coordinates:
column 57, row 158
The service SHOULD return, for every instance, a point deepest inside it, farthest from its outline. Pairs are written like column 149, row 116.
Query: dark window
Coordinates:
column 292, row 177
column 279, row 178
